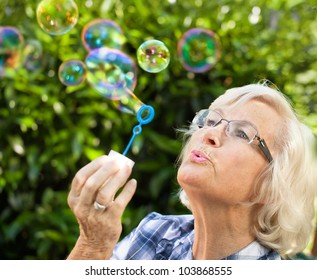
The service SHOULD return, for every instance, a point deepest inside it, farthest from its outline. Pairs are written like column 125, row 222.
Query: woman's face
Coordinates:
column 221, row 169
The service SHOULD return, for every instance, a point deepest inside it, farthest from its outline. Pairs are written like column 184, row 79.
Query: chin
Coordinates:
column 187, row 175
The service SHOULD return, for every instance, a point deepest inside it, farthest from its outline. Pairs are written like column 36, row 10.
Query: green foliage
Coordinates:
column 49, row 131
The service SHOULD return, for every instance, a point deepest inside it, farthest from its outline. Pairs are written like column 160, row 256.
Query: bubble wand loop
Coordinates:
column 144, row 116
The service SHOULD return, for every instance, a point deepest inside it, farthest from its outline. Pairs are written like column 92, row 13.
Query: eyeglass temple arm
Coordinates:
column 262, row 145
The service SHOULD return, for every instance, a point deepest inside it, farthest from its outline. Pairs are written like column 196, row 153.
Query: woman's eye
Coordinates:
column 200, row 122
column 210, row 122
column 200, row 125
column 241, row 134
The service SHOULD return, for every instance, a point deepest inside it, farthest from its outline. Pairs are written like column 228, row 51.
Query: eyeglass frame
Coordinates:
column 261, row 142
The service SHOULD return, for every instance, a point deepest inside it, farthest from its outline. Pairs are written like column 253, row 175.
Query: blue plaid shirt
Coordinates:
column 160, row 237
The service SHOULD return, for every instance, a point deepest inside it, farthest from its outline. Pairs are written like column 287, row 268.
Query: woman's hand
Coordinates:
column 100, row 227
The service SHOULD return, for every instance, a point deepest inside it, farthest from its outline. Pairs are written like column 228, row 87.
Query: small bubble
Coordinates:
column 72, row 72
column 102, row 33
column 153, row 56
column 57, row 17
column 198, row 50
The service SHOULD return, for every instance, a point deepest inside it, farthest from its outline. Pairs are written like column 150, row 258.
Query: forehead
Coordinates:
column 263, row 116
column 242, row 106
column 249, row 108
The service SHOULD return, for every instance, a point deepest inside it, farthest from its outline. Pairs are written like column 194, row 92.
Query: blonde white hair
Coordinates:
column 288, row 185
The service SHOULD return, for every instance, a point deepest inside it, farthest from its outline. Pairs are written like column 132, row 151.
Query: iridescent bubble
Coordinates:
column 57, row 17
column 32, row 55
column 128, row 103
column 110, row 71
column 72, row 72
column 153, row 56
column 102, row 33
column 11, row 44
column 198, row 50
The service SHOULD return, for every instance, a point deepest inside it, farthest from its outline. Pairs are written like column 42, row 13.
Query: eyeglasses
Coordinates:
column 243, row 131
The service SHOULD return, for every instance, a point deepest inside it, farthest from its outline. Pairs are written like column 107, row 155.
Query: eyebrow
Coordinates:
column 221, row 112
column 218, row 110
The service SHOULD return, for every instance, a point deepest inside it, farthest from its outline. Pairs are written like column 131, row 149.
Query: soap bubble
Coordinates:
column 72, row 72
column 110, row 72
column 11, row 44
column 153, row 56
column 198, row 50
column 102, row 33
column 32, row 55
column 128, row 103
column 57, row 17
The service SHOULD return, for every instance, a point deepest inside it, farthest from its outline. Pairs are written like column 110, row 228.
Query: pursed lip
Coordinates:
column 198, row 156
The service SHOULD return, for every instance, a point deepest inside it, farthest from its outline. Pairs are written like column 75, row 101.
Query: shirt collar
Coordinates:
column 252, row 251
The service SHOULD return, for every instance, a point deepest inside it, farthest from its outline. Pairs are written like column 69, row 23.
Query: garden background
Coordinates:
column 48, row 131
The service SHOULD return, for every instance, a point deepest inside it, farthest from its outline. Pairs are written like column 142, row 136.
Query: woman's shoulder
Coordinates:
column 155, row 237
column 173, row 219
column 166, row 224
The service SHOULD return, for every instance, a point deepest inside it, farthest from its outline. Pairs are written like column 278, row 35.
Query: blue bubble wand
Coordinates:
column 144, row 116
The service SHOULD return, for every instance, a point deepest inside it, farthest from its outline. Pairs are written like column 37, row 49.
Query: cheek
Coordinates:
column 240, row 179
column 239, row 163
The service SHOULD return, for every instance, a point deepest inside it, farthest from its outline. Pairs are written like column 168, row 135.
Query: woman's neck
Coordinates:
column 220, row 232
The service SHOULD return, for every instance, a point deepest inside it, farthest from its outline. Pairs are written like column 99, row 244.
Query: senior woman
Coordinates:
column 247, row 172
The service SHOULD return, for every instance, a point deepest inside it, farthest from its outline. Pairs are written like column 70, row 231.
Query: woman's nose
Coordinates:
column 213, row 135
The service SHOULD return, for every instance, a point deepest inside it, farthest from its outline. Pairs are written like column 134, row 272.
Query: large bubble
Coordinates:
column 110, row 72
column 11, row 45
column 128, row 103
column 72, row 72
column 198, row 50
column 57, row 17
column 102, row 33
column 153, row 56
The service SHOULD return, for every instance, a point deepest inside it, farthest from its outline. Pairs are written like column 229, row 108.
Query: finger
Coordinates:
column 71, row 201
column 108, row 191
column 84, row 173
column 94, row 182
column 124, row 198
